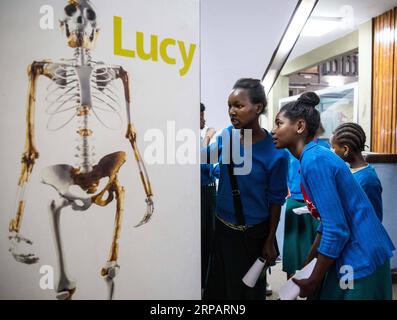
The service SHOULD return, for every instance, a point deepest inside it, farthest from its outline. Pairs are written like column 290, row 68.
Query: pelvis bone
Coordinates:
column 62, row 177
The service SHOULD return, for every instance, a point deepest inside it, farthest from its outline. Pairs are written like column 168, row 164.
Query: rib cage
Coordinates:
column 63, row 98
column 63, row 95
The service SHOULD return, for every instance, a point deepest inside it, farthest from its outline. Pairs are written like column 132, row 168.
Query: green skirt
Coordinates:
column 299, row 234
column 377, row 286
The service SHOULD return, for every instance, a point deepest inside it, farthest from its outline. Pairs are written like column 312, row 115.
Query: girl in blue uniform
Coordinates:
column 262, row 191
column 350, row 236
column 348, row 141
column 300, row 231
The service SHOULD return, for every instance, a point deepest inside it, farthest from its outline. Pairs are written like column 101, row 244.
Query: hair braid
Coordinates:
column 350, row 134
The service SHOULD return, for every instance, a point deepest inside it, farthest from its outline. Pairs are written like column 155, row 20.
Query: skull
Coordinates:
column 80, row 24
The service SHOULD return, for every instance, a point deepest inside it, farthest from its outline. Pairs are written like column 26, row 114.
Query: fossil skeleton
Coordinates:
column 83, row 87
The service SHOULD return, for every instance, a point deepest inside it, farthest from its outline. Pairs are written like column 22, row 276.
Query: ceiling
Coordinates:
column 363, row 10
column 238, row 39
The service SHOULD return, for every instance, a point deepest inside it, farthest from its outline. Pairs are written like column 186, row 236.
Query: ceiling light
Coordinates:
column 292, row 86
column 302, row 12
column 319, row 26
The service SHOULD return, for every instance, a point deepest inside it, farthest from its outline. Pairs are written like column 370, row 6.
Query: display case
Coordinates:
column 337, row 105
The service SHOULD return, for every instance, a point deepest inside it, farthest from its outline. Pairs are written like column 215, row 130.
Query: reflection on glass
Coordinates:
column 337, row 106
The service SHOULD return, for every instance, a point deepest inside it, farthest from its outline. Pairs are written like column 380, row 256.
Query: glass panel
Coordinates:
column 337, row 106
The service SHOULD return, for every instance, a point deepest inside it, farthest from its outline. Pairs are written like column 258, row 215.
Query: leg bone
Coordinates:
column 65, row 287
column 111, row 268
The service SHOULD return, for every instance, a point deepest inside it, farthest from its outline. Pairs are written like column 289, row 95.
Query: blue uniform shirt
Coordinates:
column 369, row 181
column 206, row 175
column 351, row 232
column 294, row 177
column 265, row 184
column 206, row 172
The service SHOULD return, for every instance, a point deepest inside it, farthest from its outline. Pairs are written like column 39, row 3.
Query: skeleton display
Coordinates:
column 85, row 87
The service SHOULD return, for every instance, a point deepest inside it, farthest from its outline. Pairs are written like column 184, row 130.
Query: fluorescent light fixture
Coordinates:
column 302, row 12
column 319, row 26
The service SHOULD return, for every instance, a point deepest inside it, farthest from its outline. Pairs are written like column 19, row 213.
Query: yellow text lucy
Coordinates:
column 155, row 48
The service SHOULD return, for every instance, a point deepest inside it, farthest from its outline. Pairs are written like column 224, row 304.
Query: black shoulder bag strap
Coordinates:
column 238, row 206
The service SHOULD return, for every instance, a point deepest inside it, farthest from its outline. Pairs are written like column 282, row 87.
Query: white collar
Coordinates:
column 358, row 169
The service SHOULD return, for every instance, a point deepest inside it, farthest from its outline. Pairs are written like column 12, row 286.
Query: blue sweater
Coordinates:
column 265, row 184
column 294, row 176
column 351, row 232
column 369, row 181
column 206, row 171
column 206, row 174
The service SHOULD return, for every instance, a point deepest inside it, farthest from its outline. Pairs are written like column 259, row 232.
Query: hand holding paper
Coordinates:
column 290, row 291
column 251, row 277
column 307, row 287
column 301, row 210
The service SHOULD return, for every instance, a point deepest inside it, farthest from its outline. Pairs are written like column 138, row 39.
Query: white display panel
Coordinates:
column 161, row 259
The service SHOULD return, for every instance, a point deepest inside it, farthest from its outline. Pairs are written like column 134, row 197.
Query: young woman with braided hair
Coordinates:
column 348, row 141
column 350, row 236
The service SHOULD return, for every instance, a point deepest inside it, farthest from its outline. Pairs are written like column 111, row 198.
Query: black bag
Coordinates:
column 238, row 206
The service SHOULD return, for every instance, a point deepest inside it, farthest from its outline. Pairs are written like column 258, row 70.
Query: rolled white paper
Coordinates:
column 251, row 277
column 290, row 291
column 301, row 210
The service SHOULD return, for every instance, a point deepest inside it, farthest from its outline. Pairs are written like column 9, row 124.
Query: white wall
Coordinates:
column 238, row 39
column 160, row 260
